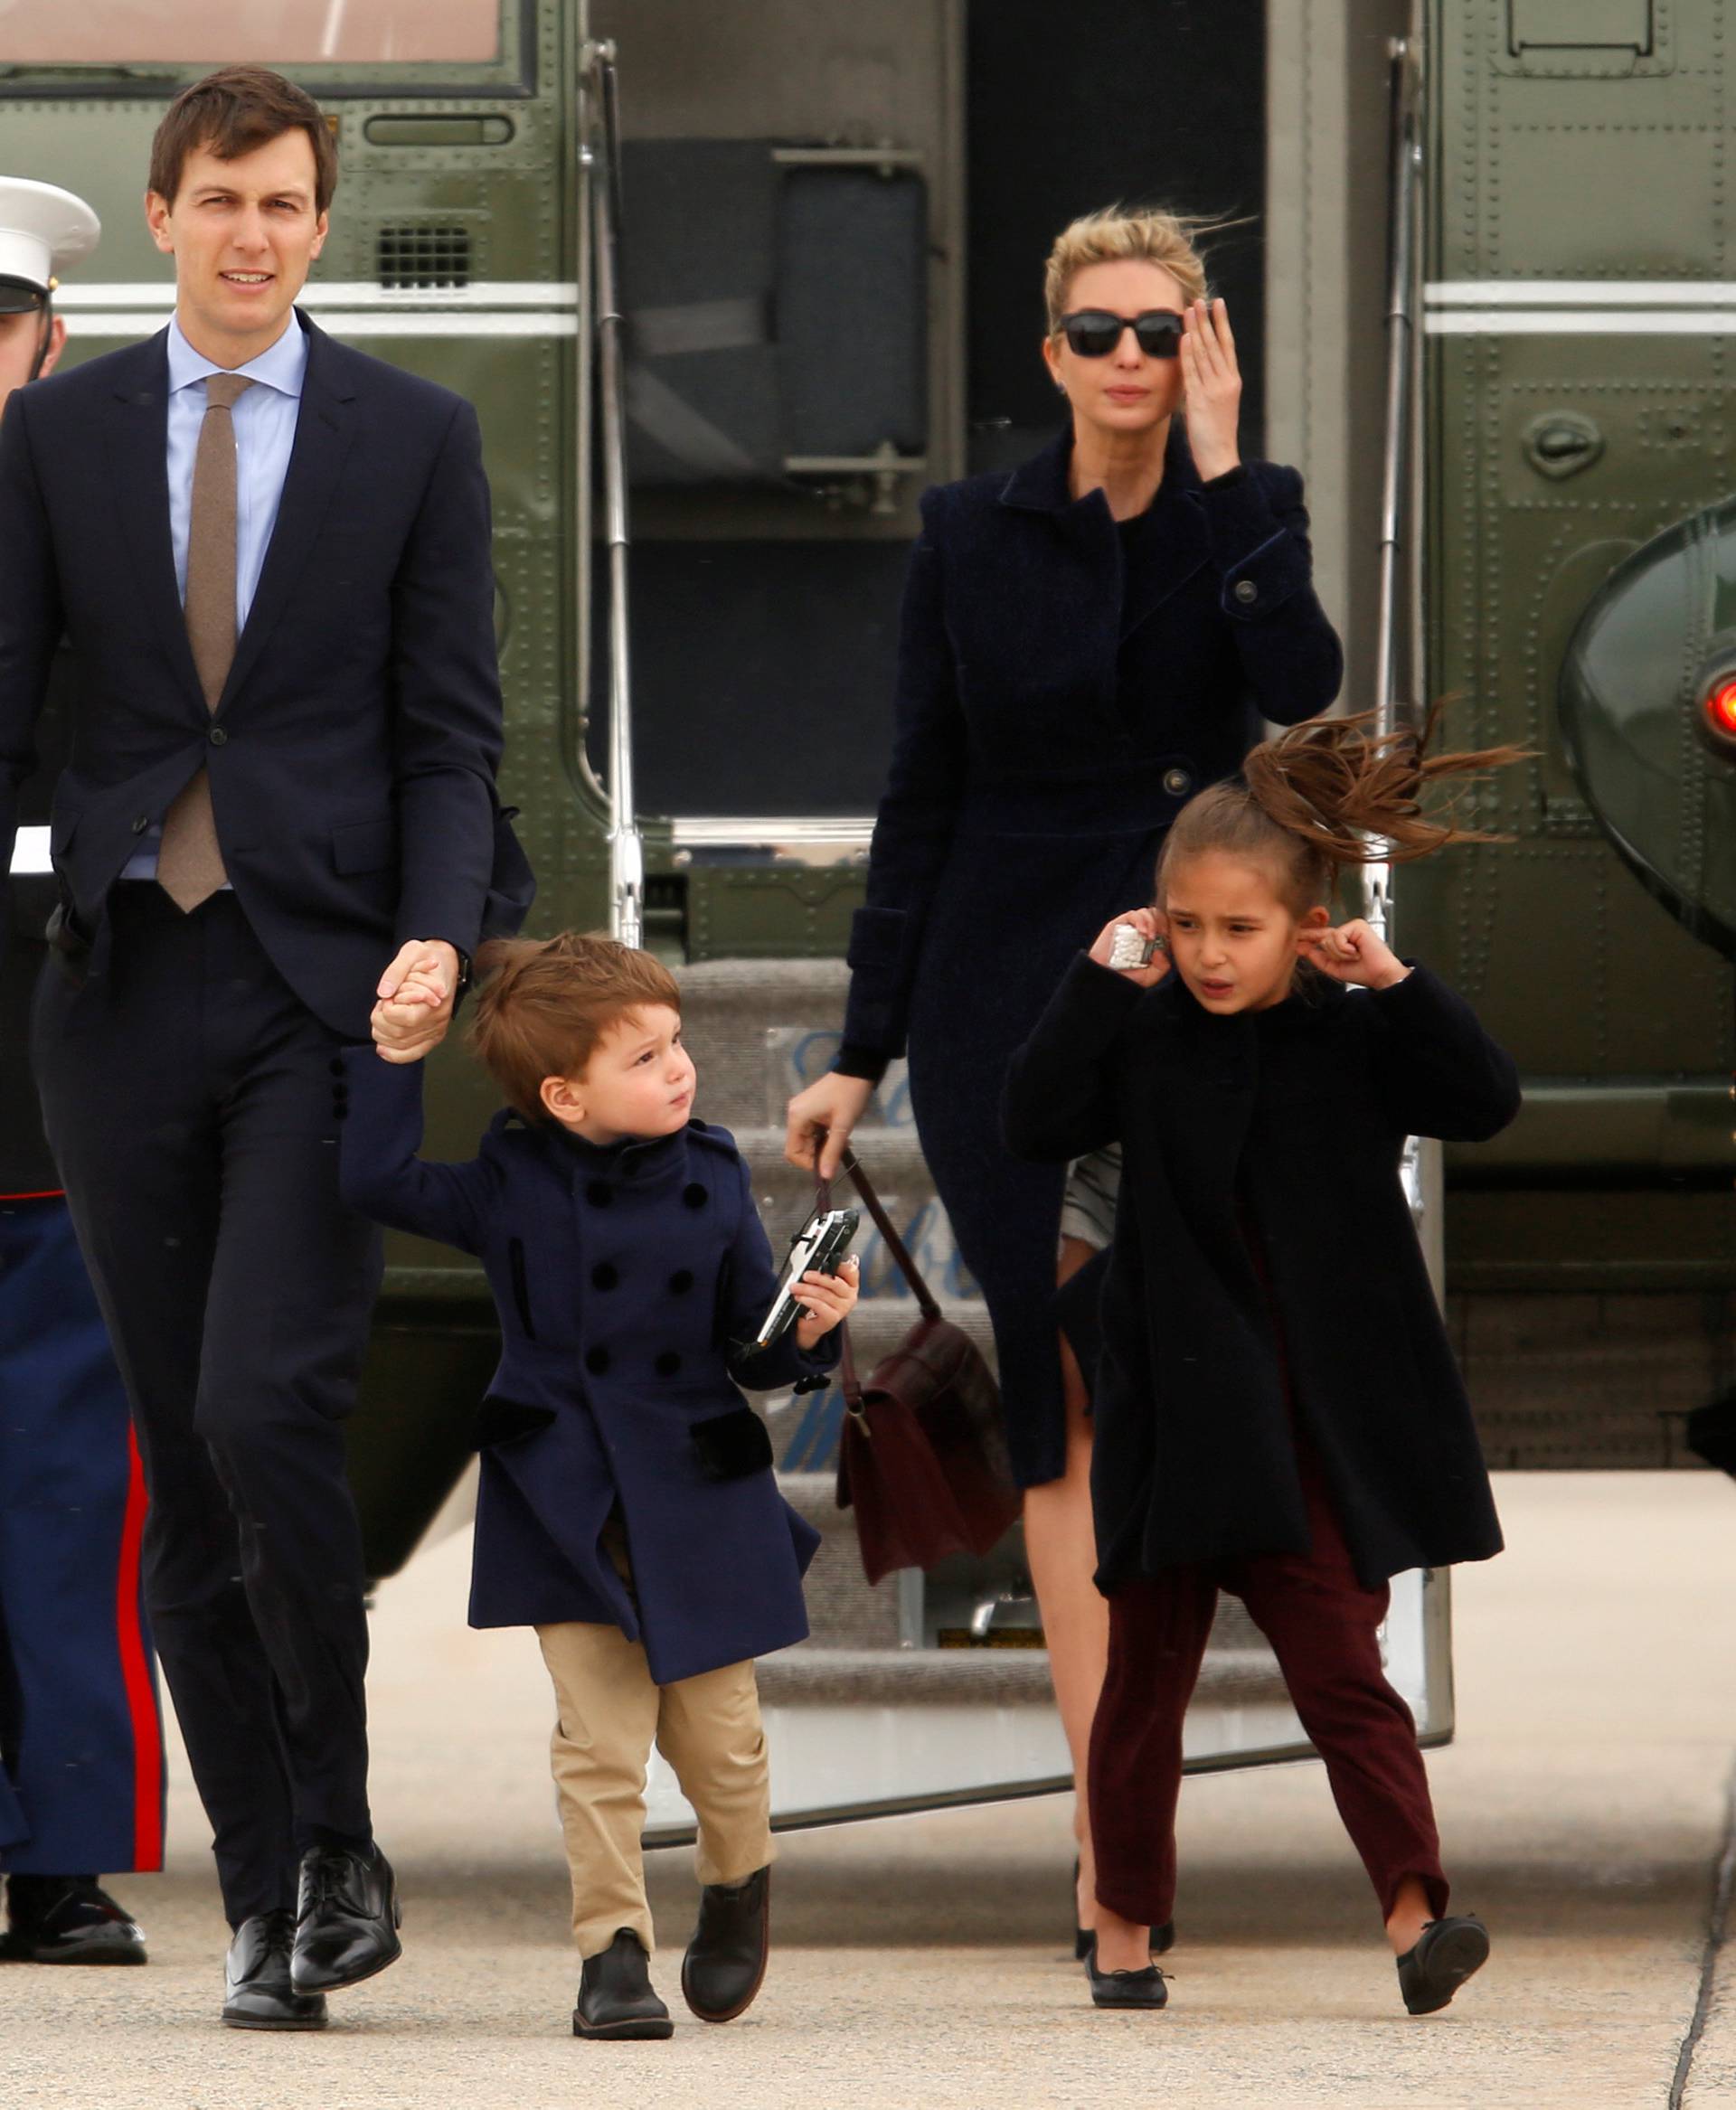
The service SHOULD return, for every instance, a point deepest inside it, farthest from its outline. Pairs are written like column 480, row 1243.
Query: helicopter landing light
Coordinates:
column 1720, row 713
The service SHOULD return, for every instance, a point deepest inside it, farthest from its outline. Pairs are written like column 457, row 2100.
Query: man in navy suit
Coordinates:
column 270, row 557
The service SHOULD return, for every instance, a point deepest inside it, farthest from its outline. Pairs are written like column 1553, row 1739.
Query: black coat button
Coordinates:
column 140, row 823
column 340, row 1113
column 599, row 1193
column 695, row 1195
column 1246, row 590
column 682, row 1281
column 337, row 1066
column 217, row 737
column 604, row 1276
column 597, row 1361
column 667, row 1363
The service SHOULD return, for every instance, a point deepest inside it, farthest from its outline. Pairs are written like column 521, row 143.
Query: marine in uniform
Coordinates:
column 80, row 1733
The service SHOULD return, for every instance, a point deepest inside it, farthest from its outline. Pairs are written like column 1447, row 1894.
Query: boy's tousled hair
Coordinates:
column 1326, row 794
column 235, row 111
column 546, row 1003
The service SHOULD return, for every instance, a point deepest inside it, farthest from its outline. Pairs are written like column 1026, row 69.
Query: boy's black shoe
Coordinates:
column 1126, row 1989
column 725, row 1963
column 1447, row 1952
column 256, row 1991
column 346, row 1920
column 67, row 1919
column 615, row 1995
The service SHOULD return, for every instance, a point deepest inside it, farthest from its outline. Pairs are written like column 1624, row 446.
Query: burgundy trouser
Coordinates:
column 1321, row 1623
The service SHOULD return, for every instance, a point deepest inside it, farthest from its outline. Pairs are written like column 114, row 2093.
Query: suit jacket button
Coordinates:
column 140, row 823
column 599, row 1193
column 337, row 1066
column 1246, row 591
column 682, row 1281
column 695, row 1195
column 597, row 1361
column 667, row 1363
column 1178, row 783
column 604, row 1275
column 217, row 736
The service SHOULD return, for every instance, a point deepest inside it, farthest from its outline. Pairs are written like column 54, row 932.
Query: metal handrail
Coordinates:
column 626, row 842
column 1405, row 159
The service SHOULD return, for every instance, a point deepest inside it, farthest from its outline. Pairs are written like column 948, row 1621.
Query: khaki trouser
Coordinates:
column 610, row 1713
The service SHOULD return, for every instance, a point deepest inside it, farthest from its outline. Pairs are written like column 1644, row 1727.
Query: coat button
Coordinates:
column 667, row 1363
column 682, row 1281
column 599, row 1193
column 217, row 737
column 597, row 1361
column 1178, row 783
column 603, row 1275
column 337, row 1066
column 140, row 823
column 695, row 1195
column 1246, row 591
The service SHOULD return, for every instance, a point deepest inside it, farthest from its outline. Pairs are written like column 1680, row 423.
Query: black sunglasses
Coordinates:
column 1093, row 332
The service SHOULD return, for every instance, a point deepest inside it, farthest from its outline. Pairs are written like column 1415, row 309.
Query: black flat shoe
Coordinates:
column 346, row 1919
column 1448, row 1953
column 725, row 1963
column 67, row 1919
column 258, row 1993
column 1126, row 1989
column 615, row 1996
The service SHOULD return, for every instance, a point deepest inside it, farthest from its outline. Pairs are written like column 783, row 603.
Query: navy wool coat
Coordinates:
column 1295, row 1117
column 623, row 1278
column 1065, row 687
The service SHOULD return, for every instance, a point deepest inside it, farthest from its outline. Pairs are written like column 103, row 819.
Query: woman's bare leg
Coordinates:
column 1061, row 1548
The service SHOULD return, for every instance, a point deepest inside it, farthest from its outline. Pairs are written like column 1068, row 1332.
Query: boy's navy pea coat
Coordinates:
column 1295, row 1117
column 622, row 1278
column 1064, row 687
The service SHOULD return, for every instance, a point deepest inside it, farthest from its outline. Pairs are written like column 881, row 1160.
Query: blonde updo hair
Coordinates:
column 1116, row 235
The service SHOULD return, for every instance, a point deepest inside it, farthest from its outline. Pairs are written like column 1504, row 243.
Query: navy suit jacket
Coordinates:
column 352, row 752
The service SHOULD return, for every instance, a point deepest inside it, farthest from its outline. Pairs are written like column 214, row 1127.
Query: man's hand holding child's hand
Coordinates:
column 826, row 1299
column 1353, row 953
column 412, row 1020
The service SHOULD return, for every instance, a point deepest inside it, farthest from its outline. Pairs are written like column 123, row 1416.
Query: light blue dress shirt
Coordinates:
column 265, row 433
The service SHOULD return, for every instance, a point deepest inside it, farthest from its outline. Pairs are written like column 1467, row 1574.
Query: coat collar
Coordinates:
column 1165, row 550
column 139, row 451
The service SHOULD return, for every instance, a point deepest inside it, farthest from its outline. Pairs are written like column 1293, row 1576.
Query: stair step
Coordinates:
column 974, row 1677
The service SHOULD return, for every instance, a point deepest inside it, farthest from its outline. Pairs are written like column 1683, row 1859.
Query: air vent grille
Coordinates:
column 424, row 256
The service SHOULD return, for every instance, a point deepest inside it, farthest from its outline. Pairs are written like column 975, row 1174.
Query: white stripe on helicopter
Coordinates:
column 1635, row 308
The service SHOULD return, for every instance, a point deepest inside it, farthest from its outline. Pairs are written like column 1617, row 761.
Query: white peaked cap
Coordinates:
column 45, row 230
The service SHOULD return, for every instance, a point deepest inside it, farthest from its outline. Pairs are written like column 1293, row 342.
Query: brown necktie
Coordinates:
column 189, row 864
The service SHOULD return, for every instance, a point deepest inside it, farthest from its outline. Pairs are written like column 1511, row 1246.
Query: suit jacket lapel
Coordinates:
column 138, row 446
column 324, row 428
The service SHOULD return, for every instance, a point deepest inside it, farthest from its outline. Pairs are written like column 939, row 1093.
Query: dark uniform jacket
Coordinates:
column 625, row 1279
column 1065, row 687
column 26, row 1164
column 352, row 755
column 1296, row 1116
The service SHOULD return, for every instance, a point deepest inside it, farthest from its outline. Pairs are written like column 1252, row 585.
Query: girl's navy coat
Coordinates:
column 1064, row 687
column 623, row 1278
column 1294, row 1116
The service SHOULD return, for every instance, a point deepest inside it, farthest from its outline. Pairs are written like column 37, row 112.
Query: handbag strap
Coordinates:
column 894, row 1244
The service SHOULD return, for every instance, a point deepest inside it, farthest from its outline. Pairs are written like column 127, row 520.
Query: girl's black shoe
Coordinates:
column 1448, row 1953
column 1126, row 1989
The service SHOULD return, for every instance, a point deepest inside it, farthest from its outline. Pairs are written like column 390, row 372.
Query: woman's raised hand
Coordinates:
column 1212, row 381
column 1353, row 952
column 828, row 1108
column 1150, row 926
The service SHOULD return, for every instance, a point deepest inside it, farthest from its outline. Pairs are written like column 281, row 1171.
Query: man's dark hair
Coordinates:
column 235, row 111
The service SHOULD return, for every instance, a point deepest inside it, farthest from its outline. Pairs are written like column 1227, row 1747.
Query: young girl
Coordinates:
column 1278, row 1410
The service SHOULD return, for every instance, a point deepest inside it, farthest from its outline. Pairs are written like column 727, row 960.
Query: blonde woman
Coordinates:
column 1085, row 643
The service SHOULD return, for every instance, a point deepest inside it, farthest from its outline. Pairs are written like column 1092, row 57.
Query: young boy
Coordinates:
column 627, row 1508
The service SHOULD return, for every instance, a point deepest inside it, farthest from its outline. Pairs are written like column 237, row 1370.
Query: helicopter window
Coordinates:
column 300, row 32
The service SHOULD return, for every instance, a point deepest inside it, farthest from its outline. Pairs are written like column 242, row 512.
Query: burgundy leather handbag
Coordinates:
column 923, row 1455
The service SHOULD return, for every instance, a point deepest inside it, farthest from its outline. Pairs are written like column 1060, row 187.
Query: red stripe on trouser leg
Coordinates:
column 136, row 1676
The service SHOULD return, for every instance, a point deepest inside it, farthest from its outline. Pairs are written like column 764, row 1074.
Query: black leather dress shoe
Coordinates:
column 725, row 1963
column 67, row 1919
column 615, row 1996
column 347, row 1919
column 1126, row 1989
column 256, row 1991
column 1448, row 1953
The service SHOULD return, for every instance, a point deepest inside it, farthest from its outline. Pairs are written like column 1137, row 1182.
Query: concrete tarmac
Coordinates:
column 920, row 1963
